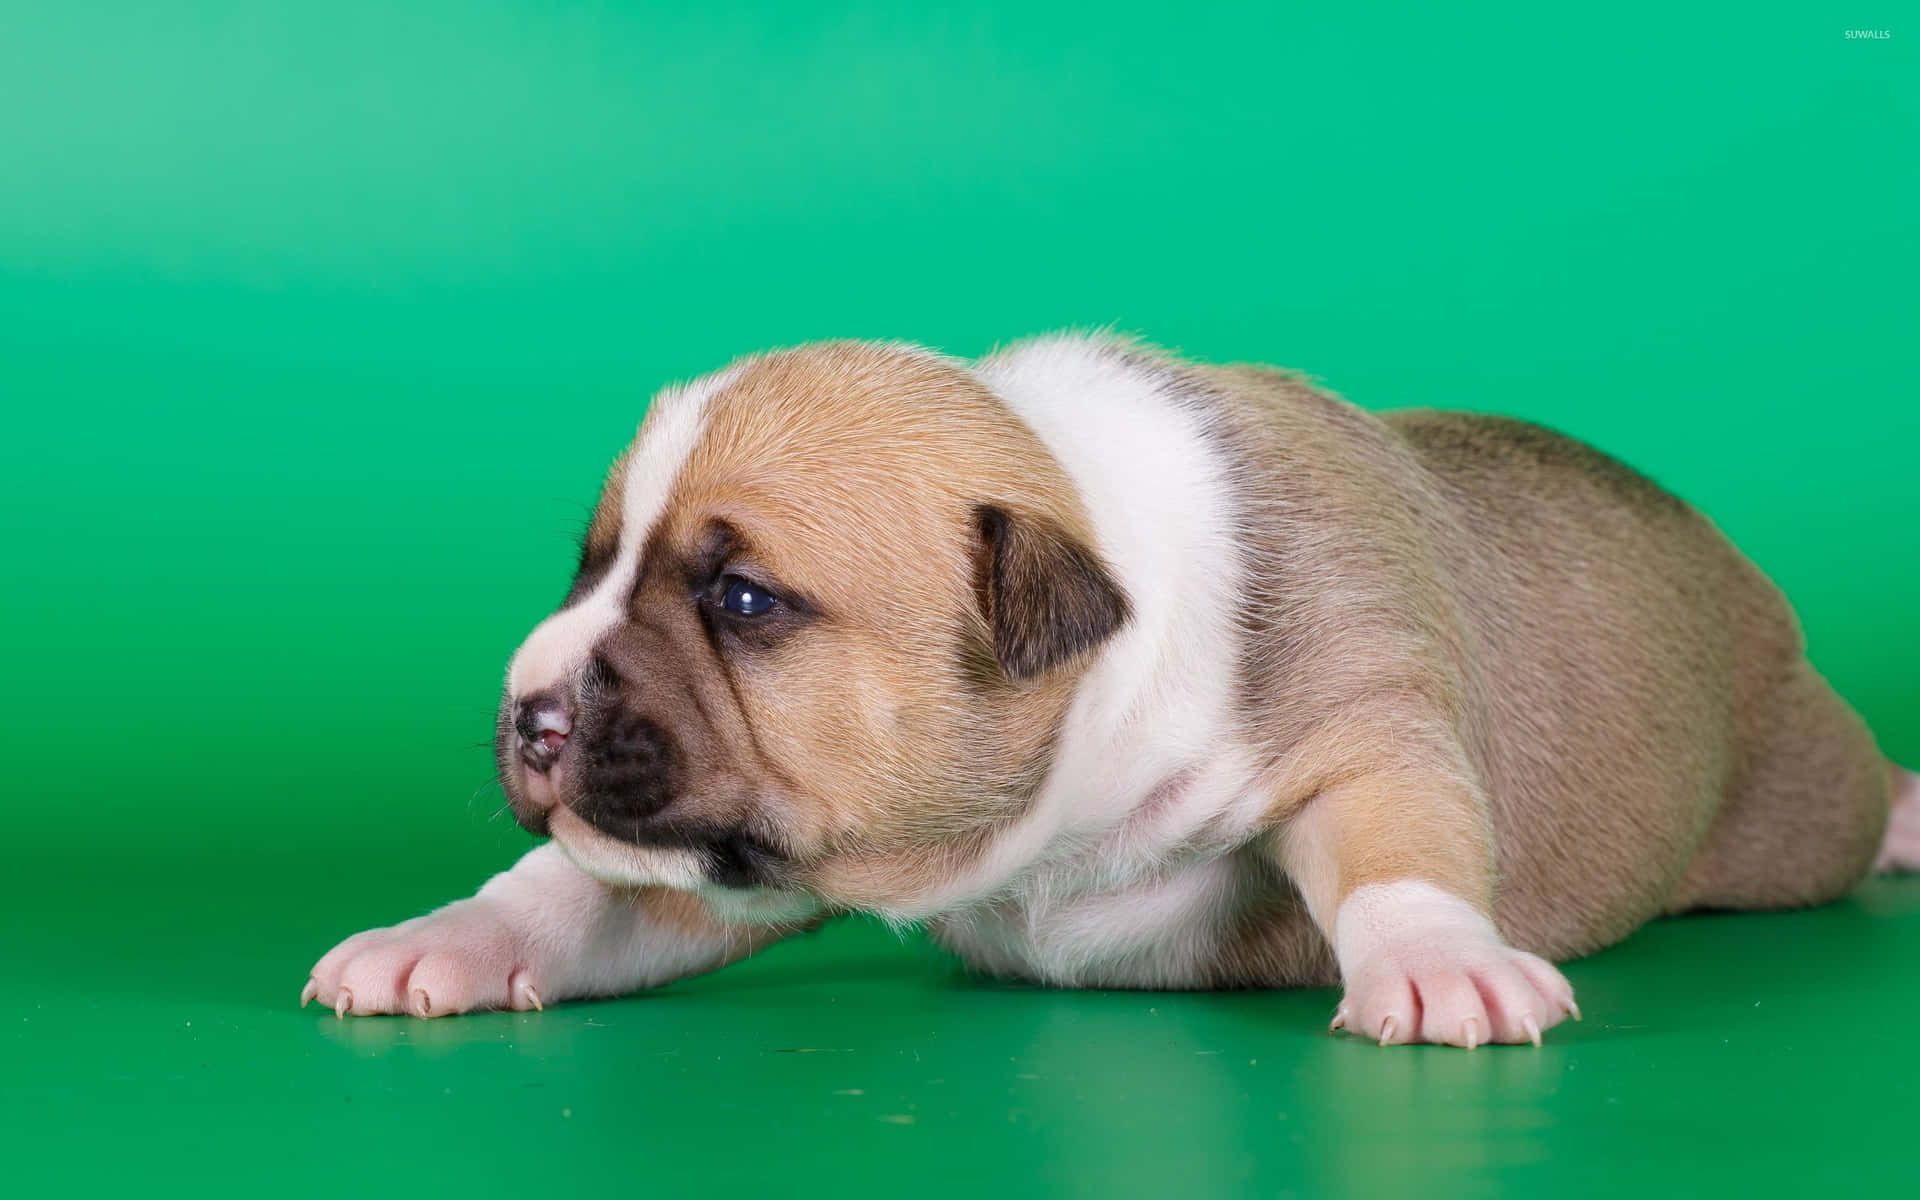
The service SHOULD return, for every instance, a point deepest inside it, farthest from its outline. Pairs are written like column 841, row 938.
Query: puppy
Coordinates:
column 1117, row 670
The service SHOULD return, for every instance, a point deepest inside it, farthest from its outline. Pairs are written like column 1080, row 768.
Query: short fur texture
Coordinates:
column 1121, row 670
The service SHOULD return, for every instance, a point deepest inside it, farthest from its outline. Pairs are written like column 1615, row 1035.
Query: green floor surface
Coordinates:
column 152, row 1038
column 319, row 323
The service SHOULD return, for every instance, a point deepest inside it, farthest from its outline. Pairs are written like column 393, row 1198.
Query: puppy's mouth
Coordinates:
column 543, row 795
column 622, row 863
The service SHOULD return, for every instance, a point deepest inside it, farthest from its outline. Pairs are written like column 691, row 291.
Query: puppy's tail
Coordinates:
column 1901, row 849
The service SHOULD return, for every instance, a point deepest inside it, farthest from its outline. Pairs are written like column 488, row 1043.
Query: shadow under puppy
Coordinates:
column 1123, row 671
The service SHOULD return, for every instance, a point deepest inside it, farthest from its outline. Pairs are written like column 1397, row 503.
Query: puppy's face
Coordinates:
column 826, row 624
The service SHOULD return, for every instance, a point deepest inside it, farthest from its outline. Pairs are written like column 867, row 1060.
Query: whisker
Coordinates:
column 473, row 797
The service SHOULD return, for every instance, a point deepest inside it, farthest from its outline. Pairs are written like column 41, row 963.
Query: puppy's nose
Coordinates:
column 543, row 726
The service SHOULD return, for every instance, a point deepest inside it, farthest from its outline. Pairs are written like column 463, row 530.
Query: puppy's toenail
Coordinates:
column 422, row 1004
column 343, row 1003
column 308, row 992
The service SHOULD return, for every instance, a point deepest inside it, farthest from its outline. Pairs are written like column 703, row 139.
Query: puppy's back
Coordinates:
column 1637, row 695
column 1651, row 681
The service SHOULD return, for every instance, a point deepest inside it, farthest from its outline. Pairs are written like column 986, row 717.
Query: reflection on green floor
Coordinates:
column 1746, row 1053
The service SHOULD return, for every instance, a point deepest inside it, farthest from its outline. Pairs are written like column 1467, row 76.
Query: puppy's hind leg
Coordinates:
column 1805, row 813
column 1901, row 849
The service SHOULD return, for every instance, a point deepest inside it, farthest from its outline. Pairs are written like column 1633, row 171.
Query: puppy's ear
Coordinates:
column 1046, row 594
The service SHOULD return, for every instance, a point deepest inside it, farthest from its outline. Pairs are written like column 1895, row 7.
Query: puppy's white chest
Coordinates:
column 1161, row 931
column 1144, row 901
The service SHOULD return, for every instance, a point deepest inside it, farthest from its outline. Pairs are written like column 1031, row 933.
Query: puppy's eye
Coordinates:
column 744, row 598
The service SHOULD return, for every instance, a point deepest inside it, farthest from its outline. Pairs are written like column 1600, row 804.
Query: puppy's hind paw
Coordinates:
column 1901, row 849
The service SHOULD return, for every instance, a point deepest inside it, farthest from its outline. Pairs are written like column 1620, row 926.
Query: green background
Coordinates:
column 318, row 323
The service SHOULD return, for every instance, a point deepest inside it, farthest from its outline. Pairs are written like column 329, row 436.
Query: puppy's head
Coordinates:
column 826, row 624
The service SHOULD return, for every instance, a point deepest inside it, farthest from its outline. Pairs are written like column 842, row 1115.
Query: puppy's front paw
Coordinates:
column 464, row 957
column 1423, row 966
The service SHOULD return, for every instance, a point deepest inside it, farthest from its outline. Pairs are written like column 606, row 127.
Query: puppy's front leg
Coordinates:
column 1397, row 871
column 540, row 932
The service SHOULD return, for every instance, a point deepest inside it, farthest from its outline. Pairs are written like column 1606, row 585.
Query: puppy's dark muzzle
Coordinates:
column 628, row 772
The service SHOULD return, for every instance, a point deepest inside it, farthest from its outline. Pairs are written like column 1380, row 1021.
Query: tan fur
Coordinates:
column 1289, row 694
column 850, row 472
column 1478, row 654
column 1501, row 662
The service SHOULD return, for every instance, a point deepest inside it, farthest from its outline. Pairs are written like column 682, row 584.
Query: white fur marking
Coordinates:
column 1109, row 879
column 1400, row 918
column 1154, row 703
column 558, row 647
